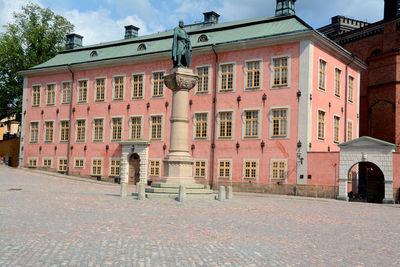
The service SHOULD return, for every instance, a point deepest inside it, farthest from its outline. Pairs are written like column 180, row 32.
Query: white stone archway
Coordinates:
column 366, row 149
column 140, row 147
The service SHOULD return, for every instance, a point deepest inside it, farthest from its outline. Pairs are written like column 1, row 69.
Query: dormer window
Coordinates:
column 202, row 38
column 93, row 54
column 141, row 47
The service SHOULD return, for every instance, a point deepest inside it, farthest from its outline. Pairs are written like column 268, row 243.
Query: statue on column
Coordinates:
column 181, row 47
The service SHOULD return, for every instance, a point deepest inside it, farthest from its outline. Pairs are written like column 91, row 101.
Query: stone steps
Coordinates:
column 174, row 185
column 176, row 190
column 174, row 196
column 171, row 190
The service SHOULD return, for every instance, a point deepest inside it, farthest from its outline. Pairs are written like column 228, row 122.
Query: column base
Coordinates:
column 178, row 169
column 342, row 198
column 388, row 201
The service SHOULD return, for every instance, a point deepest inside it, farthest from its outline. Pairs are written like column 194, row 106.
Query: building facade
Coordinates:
column 273, row 95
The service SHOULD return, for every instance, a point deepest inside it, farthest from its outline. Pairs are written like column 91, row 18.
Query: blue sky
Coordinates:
column 104, row 20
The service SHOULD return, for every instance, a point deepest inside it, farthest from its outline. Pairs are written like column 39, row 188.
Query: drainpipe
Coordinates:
column 214, row 97
column 70, row 118
column 345, row 98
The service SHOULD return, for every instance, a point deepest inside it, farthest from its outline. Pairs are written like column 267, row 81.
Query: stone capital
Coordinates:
column 181, row 79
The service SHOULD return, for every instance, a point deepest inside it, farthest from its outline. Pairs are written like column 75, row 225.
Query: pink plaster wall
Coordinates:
column 323, row 167
column 321, row 100
column 396, row 170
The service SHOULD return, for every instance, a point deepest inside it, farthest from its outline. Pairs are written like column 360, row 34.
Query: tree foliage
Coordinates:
column 34, row 36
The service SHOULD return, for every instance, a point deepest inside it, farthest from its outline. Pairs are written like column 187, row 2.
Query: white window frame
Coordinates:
column 271, row 173
column 317, row 120
column 58, row 163
column 149, row 172
column 77, row 91
column 245, row 74
column 40, row 97
column 144, row 85
column 259, row 124
column 104, row 129
column 30, row 127
column 289, row 65
column 152, row 84
column 326, row 75
column 162, row 127
column 122, row 128
column 47, row 158
column 347, row 130
column 91, row 166
column 244, row 168
column 220, row 77
column 230, row 172
column 55, row 94
column 340, row 122
column 194, row 168
column 141, row 128
column 84, row 163
column 109, row 166
column 76, row 130
column 271, row 125
column 61, row 92
column 32, row 158
column 44, row 131
column 354, row 88
column 105, row 89
column 334, row 81
column 194, row 126
column 233, row 124
column 124, row 89
column 210, row 73
column 59, row 130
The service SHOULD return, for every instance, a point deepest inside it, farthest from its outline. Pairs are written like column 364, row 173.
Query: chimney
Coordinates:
column 285, row 7
column 211, row 17
column 131, row 32
column 391, row 9
column 73, row 41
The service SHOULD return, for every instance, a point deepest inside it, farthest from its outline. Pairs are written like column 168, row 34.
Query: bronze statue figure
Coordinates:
column 181, row 47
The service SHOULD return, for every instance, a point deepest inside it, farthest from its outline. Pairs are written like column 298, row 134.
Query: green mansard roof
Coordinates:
column 224, row 33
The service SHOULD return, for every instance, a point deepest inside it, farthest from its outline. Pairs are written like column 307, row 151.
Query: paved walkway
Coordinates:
column 51, row 221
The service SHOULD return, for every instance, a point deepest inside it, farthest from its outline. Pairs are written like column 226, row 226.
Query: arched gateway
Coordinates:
column 134, row 158
column 372, row 156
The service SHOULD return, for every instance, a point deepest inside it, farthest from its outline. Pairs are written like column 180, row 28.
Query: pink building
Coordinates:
column 274, row 96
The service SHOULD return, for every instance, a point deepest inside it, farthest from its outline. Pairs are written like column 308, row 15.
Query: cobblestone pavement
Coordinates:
column 53, row 221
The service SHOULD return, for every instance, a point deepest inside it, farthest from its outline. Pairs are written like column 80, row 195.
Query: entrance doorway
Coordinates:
column 366, row 183
column 134, row 169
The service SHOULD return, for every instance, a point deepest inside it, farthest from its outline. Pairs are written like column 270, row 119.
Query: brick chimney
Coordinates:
column 131, row 31
column 73, row 41
column 391, row 9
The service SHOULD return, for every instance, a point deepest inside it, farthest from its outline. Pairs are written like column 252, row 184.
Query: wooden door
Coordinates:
column 134, row 169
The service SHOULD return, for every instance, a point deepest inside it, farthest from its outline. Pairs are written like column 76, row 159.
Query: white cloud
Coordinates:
column 8, row 7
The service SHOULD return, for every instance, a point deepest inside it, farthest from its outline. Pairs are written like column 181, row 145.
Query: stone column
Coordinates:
column 178, row 164
column 343, row 189
column 388, row 192
column 124, row 171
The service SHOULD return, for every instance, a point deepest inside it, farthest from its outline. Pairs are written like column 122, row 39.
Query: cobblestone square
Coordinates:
column 52, row 221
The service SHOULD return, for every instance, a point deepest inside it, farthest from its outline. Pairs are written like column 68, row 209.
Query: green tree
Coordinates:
column 34, row 36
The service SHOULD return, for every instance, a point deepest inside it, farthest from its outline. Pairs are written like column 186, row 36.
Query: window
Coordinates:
column 62, row 165
column 225, row 124
column 227, row 77
column 48, row 131
column 351, row 89
column 136, row 128
column 98, row 125
column 79, row 163
column 47, row 163
column 250, row 169
column 202, row 38
column 64, row 131
column 34, row 132
column 82, row 91
column 141, row 47
column 80, row 130
column 51, row 94
column 202, row 84
column 66, row 93
column 253, row 75
column 279, row 122
column 100, row 89
column 116, row 125
column 251, row 123
column 156, row 127
column 224, row 169
column 118, row 88
column 349, row 130
column 155, row 168
column 200, row 169
column 321, row 125
column 338, row 78
column 158, row 84
column 35, row 96
column 200, row 121
column 322, row 74
column 280, row 70
column 137, row 86
column 97, row 165
column 32, row 162
column 115, row 167
column 278, row 170
column 336, row 129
